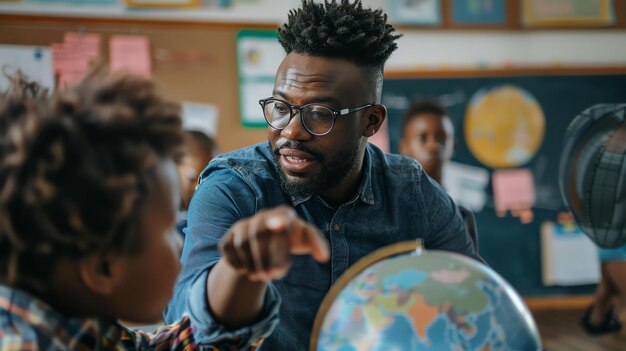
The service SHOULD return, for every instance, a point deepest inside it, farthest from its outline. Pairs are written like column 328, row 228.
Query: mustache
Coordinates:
column 297, row 145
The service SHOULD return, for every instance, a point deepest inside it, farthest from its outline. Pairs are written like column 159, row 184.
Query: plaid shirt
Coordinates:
column 27, row 323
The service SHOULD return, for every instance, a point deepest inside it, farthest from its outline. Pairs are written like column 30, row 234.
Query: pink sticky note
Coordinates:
column 70, row 65
column 131, row 54
column 88, row 44
column 64, row 59
column 381, row 138
column 513, row 189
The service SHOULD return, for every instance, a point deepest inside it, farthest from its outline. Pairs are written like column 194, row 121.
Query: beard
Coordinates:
column 333, row 170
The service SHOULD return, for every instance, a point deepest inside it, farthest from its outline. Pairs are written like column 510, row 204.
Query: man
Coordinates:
column 318, row 164
column 428, row 136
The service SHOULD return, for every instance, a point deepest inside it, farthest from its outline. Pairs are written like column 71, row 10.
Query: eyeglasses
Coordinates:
column 317, row 119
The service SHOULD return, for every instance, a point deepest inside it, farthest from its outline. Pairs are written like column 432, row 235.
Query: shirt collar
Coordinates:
column 365, row 193
column 43, row 318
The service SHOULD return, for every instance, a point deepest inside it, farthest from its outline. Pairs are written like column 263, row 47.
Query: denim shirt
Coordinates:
column 396, row 201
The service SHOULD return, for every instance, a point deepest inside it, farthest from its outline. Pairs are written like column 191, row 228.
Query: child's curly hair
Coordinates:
column 75, row 169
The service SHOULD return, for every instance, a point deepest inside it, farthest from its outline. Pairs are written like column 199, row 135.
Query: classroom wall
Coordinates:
column 432, row 49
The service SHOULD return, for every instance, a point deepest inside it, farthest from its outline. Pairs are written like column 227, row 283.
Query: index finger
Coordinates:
column 307, row 239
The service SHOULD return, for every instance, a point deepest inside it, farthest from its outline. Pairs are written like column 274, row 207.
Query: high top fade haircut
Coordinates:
column 340, row 29
column 76, row 169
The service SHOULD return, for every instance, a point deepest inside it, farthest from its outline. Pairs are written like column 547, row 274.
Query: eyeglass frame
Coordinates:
column 336, row 113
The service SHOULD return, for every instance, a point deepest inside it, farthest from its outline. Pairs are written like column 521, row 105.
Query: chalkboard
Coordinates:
column 511, row 248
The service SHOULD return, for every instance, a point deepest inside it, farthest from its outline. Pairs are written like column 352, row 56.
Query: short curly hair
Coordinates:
column 422, row 106
column 339, row 30
column 76, row 168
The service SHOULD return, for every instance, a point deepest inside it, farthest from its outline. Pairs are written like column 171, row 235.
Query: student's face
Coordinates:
column 310, row 164
column 429, row 139
column 151, row 273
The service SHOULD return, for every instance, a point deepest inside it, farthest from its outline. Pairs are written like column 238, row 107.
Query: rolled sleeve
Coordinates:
column 207, row 331
column 221, row 199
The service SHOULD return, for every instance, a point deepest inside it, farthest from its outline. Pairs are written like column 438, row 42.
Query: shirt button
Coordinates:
column 336, row 227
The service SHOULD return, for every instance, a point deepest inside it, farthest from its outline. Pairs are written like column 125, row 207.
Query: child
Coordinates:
column 428, row 136
column 88, row 201
column 199, row 150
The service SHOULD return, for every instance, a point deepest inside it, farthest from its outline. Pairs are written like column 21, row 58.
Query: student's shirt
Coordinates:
column 27, row 323
column 396, row 201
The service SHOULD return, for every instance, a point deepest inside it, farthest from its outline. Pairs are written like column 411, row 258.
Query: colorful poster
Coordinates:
column 164, row 3
column 479, row 12
column 555, row 13
column 504, row 126
column 258, row 56
column 81, row 2
column 130, row 54
column 415, row 12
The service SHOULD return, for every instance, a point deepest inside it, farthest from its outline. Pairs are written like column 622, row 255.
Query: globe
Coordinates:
column 404, row 298
column 593, row 173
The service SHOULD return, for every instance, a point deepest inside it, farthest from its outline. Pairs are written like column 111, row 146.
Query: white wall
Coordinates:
column 471, row 49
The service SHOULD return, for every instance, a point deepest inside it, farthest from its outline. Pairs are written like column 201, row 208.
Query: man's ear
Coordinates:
column 102, row 273
column 375, row 119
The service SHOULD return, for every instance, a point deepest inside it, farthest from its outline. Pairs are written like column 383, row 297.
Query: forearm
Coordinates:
column 234, row 300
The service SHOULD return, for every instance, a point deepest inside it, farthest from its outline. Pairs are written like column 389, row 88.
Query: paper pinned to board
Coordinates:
column 466, row 185
column 71, row 59
column 130, row 54
column 66, row 59
column 201, row 117
column 87, row 44
column 513, row 189
column 568, row 256
column 34, row 62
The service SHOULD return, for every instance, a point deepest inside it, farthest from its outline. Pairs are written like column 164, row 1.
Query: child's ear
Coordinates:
column 101, row 274
column 375, row 119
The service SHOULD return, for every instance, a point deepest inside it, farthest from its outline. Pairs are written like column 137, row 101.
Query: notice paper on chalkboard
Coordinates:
column 568, row 256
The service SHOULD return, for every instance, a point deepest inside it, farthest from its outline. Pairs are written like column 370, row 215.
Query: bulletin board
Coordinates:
column 193, row 62
column 511, row 248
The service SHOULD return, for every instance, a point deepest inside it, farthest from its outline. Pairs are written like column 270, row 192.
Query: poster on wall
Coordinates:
column 258, row 56
column 415, row 12
column 567, row 13
column 466, row 184
column 514, row 191
column 34, row 61
column 504, row 126
column 164, row 3
column 568, row 256
column 479, row 12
